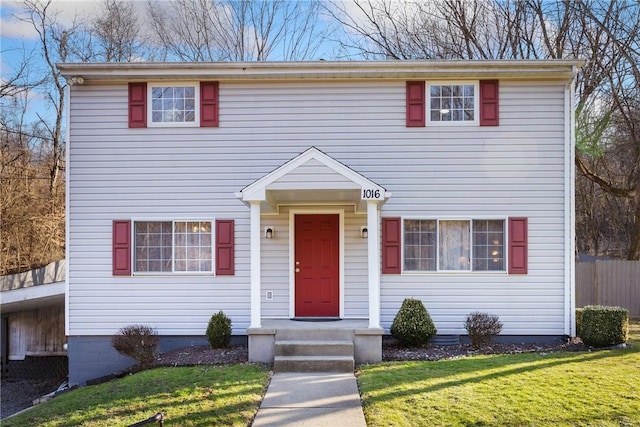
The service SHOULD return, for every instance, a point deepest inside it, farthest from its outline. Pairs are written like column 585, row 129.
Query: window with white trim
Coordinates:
column 172, row 105
column 453, row 102
column 173, row 246
column 454, row 245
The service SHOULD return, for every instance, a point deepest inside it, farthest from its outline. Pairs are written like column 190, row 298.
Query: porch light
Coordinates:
column 75, row 80
column 364, row 232
column 269, row 232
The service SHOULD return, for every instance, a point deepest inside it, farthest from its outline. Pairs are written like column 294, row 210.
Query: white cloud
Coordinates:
column 10, row 26
column 68, row 10
column 65, row 12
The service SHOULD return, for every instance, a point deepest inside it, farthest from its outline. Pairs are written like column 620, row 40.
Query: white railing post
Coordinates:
column 255, row 265
column 373, row 249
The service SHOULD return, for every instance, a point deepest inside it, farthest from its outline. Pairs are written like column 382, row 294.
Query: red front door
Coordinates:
column 317, row 265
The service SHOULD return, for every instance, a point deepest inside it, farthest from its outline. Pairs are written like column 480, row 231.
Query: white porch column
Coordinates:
column 255, row 264
column 373, row 248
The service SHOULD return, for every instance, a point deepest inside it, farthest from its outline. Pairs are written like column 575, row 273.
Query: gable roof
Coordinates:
column 315, row 173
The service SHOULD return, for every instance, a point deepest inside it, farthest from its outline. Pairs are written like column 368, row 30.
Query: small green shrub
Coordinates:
column 482, row 328
column 412, row 325
column 138, row 342
column 579, row 312
column 603, row 326
column 219, row 330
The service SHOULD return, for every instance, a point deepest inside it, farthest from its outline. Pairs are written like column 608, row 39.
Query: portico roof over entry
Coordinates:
column 313, row 177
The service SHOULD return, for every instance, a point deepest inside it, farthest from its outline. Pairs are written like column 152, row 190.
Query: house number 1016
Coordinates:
column 370, row 193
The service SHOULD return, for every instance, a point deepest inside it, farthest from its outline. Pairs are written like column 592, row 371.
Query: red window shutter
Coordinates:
column 138, row 105
column 489, row 105
column 415, row 104
column 391, row 245
column 225, row 248
column 121, row 242
column 209, row 104
column 518, row 245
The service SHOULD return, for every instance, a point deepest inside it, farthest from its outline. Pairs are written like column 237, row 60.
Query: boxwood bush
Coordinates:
column 603, row 326
column 219, row 330
column 579, row 312
column 413, row 326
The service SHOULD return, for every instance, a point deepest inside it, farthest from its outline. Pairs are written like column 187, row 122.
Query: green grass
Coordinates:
column 599, row 388
column 188, row 396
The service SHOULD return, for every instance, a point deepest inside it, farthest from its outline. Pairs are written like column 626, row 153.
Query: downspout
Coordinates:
column 67, row 108
column 570, row 211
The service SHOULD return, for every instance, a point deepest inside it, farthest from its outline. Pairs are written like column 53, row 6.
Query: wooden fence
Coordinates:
column 612, row 283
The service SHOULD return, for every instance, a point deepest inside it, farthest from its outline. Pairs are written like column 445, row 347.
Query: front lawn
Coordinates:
column 187, row 396
column 598, row 388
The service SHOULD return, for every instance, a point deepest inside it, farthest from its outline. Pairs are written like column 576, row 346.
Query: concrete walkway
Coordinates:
column 311, row 399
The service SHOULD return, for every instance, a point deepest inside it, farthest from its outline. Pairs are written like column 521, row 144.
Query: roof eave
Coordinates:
column 321, row 70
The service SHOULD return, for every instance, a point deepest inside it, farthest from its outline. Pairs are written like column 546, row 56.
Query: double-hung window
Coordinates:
column 454, row 245
column 173, row 246
column 174, row 105
column 452, row 102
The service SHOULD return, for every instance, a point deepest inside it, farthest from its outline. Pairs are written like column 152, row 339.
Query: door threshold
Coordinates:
column 315, row 319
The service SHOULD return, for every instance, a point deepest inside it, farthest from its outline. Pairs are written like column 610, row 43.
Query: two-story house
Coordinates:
column 316, row 191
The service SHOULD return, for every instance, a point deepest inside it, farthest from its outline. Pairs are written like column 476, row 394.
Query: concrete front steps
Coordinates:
column 320, row 346
column 314, row 350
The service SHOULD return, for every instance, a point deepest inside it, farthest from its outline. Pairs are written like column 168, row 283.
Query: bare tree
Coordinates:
column 605, row 33
column 54, row 47
column 238, row 30
column 117, row 32
column 32, row 219
column 613, row 160
column 32, row 195
column 33, row 152
column 19, row 81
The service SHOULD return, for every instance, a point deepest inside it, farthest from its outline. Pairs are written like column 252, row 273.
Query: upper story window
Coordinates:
column 174, row 105
column 173, row 246
column 454, row 245
column 179, row 104
column 453, row 103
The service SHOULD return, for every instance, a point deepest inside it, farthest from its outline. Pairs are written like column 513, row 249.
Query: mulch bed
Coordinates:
column 203, row 355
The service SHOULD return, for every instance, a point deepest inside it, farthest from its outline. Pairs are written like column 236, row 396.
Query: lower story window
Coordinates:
column 173, row 246
column 454, row 245
column 488, row 245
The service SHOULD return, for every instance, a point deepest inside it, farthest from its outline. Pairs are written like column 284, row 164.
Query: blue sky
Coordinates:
column 17, row 36
column 18, row 39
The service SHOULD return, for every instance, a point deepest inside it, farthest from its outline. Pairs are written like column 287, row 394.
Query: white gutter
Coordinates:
column 541, row 69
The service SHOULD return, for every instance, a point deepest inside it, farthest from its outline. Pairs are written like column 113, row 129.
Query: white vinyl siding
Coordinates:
column 515, row 169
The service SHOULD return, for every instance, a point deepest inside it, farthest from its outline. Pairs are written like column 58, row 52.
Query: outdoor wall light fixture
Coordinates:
column 75, row 80
column 269, row 232
column 364, row 232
